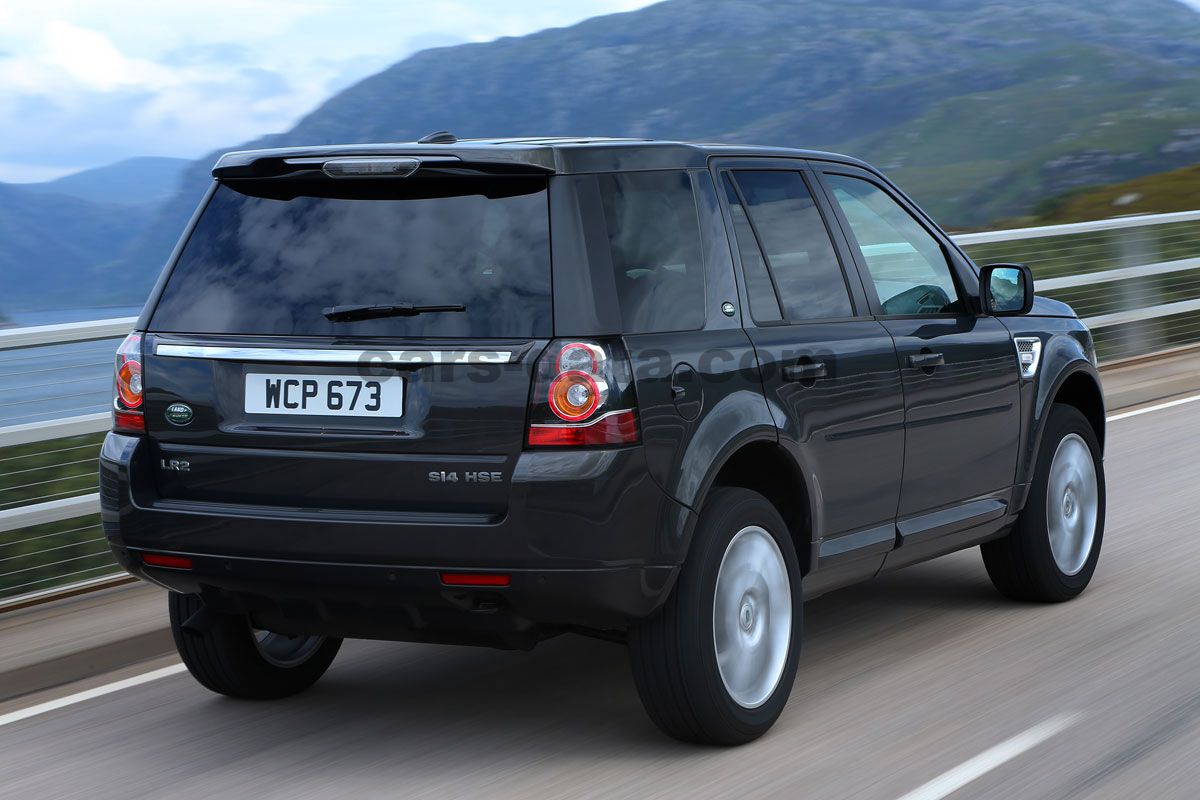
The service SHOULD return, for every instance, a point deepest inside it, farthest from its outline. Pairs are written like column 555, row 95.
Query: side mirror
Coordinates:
column 1005, row 289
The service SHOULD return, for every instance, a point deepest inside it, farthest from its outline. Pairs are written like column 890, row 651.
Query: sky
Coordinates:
column 88, row 82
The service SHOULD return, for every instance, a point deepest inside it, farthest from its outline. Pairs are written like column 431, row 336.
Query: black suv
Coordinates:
column 487, row 392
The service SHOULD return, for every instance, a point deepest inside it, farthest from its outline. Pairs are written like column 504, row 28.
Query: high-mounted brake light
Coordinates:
column 127, row 387
column 371, row 167
column 583, row 396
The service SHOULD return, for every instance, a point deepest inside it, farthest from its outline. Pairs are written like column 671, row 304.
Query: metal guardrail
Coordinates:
column 1121, row 273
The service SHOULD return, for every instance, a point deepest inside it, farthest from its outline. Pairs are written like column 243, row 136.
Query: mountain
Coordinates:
column 64, row 242
column 60, row 251
column 133, row 181
column 1177, row 190
column 979, row 108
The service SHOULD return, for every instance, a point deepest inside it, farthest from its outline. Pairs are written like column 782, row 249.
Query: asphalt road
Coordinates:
column 903, row 679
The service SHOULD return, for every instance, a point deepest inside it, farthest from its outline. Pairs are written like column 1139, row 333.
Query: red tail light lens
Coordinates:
column 127, row 387
column 575, row 394
column 583, row 396
column 618, row 427
column 129, row 383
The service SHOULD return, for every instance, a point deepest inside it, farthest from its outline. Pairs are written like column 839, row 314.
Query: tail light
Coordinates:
column 583, row 396
column 127, row 387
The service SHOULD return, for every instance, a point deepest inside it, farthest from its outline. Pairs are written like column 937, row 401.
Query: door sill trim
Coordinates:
column 950, row 520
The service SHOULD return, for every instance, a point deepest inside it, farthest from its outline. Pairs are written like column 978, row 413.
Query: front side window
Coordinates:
column 793, row 237
column 654, row 239
column 907, row 264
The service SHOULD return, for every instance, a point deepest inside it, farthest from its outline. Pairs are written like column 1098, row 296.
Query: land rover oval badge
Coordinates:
column 178, row 414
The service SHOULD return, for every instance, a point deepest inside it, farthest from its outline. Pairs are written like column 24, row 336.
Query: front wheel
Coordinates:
column 716, row 665
column 228, row 656
column 1051, row 554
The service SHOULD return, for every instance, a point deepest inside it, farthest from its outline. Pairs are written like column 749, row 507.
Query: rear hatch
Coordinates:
column 351, row 344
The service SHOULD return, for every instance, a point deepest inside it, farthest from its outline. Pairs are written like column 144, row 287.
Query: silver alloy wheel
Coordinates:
column 285, row 651
column 752, row 617
column 1072, row 504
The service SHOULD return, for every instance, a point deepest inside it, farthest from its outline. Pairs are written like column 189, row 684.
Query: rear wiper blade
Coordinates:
column 352, row 313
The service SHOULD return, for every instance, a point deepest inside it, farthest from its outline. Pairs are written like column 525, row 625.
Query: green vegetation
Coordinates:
column 61, row 552
column 1177, row 190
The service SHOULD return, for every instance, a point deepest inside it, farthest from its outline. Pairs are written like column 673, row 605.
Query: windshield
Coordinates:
column 269, row 257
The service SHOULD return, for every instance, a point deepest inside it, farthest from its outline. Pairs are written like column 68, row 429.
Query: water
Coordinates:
column 29, row 318
column 64, row 380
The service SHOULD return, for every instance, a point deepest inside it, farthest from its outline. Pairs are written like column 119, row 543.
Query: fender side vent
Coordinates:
column 1029, row 354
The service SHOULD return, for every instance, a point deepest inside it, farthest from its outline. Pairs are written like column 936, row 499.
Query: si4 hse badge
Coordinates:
column 178, row 414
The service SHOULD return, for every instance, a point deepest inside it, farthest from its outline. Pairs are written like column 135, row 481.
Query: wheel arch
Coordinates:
column 1077, row 384
column 1080, row 389
column 763, row 465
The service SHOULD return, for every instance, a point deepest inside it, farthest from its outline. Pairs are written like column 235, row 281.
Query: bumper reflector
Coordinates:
column 475, row 579
column 164, row 560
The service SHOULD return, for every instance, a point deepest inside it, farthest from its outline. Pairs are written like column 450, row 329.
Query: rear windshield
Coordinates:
column 267, row 257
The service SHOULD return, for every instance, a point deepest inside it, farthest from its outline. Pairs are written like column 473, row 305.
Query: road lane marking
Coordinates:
column 950, row 782
column 1159, row 407
column 99, row 691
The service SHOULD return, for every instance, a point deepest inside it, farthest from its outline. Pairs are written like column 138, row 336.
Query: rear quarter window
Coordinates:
column 654, row 238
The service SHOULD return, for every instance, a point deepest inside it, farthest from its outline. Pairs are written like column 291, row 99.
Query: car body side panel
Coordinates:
column 1067, row 349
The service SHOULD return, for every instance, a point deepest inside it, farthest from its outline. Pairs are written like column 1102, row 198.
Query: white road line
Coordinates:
column 1159, row 407
column 988, row 760
column 99, row 691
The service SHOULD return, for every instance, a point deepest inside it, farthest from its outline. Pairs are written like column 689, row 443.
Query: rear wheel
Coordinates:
column 716, row 665
column 226, row 655
column 1051, row 554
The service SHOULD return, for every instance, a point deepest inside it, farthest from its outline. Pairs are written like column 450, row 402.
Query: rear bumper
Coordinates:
column 585, row 542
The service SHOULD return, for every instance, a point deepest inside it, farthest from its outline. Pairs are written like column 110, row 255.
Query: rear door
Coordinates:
column 258, row 394
column 962, row 407
column 828, row 369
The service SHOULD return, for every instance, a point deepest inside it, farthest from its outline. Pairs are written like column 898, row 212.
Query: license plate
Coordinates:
column 325, row 395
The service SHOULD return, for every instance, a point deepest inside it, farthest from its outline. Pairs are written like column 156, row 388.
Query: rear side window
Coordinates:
column 267, row 257
column 654, row 237
column 764, row 306
column 793, row 237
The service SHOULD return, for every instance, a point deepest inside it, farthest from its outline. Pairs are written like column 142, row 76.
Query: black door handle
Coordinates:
column 926, row 360
column 805, row 372
column 678, row 392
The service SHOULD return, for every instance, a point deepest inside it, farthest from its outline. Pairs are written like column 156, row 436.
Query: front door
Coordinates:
column 962, row 404
column 829, row 370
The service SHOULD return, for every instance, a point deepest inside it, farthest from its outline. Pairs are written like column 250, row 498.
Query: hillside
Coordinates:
column 58, row 251
column 1177, row 190
column 979, row 108
column 133, row 181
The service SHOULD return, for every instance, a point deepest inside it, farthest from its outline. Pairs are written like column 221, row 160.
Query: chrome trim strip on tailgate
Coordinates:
column 298, row 355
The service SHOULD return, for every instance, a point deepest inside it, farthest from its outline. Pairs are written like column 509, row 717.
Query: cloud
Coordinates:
column 85, row 83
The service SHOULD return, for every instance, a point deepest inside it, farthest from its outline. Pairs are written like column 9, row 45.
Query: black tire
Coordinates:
column 674, row 655
column 1022, row 564
column 224, row 658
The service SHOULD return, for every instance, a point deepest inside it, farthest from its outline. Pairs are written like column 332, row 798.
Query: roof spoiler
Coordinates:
column 489, row 159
